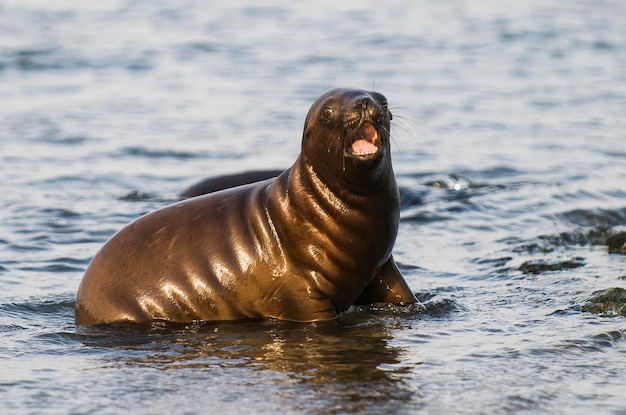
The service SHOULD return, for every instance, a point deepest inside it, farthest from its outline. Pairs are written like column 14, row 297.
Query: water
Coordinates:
column 508, row 147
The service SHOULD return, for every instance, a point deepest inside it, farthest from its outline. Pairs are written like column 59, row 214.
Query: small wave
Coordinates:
column 61, row 213
column 57, row 268
column 136, row 195
column 423, row 216
column 26, row 248
column 488, row 263
column 462, row 190
column 62, row 59
column 191, row 50
column 35, row 60
column 594, row 217
column 594, row 343
column 40, row 305
column 57, row 264
column 16, row 315
column 411, row 197
column 496, row 172
column 150, row 153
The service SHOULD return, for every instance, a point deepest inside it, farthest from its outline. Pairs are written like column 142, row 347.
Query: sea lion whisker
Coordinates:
column 397, row 123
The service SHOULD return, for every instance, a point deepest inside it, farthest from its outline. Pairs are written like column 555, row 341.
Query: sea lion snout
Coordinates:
column 366, row 108
column 367, row 127
column 372, row 108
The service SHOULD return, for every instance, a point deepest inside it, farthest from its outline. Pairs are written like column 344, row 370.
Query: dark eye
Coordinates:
column 326, row 114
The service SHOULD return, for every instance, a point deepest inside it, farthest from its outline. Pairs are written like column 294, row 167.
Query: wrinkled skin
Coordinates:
column 303, row 246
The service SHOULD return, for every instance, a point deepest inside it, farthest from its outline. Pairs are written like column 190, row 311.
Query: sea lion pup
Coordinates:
column 215, row 184
column 303, row 246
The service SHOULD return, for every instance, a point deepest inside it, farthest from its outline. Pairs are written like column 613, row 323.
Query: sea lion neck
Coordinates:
column 352, row 181
column 302, row 185
column 328, row 219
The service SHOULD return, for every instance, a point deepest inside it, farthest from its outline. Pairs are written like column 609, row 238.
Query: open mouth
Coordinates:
column 366, row 142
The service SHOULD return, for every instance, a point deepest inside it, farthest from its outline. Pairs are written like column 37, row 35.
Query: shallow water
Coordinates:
column 508, row 146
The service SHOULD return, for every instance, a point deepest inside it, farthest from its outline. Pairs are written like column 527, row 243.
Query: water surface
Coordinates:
column 508, row 147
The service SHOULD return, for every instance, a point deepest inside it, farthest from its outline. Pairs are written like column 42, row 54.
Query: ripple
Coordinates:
column 57, row 58
column 40, row 308
column 422, row 216
column 594, row 217
column 195, row 49
column 36, row 60
column 156, row 154
column 61, row 213
column 136, row 195
column 53, row 268
column 411, row 197
column 26, row 248
column 593, row 343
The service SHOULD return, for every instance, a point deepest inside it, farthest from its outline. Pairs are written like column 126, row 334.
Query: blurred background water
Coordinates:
column 509, row 147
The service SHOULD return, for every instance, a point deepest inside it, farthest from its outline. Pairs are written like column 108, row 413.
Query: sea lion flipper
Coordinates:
column 387, row 286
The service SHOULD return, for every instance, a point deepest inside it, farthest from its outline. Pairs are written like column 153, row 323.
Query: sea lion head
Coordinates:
column 346, row 137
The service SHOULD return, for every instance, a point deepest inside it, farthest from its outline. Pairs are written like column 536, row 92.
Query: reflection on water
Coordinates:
column 347, row 366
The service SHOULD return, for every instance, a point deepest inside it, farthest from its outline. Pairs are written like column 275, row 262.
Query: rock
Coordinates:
column 617, row 243
column 607, row 303
column 540, row 267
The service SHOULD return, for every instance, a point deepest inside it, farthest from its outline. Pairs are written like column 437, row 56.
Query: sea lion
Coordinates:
column 215, row 184
column 302, row 247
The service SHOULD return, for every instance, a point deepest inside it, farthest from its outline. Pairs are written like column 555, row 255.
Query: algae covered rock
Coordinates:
column 617, row 243
column 607, row 303
column 539, row 267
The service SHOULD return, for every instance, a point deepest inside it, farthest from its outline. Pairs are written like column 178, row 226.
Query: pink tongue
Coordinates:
column 367, row 137
column 363, row 146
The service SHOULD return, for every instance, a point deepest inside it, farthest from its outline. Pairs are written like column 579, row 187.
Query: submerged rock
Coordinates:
column 617, row 243
column 549, row 243
column 594, row 236
column 607, row 303
column 429, row 304
column 539, row 267
column 442, row 306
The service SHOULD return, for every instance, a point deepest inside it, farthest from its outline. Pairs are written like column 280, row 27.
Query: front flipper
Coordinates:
column 387, row 286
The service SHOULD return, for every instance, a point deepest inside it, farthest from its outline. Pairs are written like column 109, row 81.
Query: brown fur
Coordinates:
column 304, row 246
